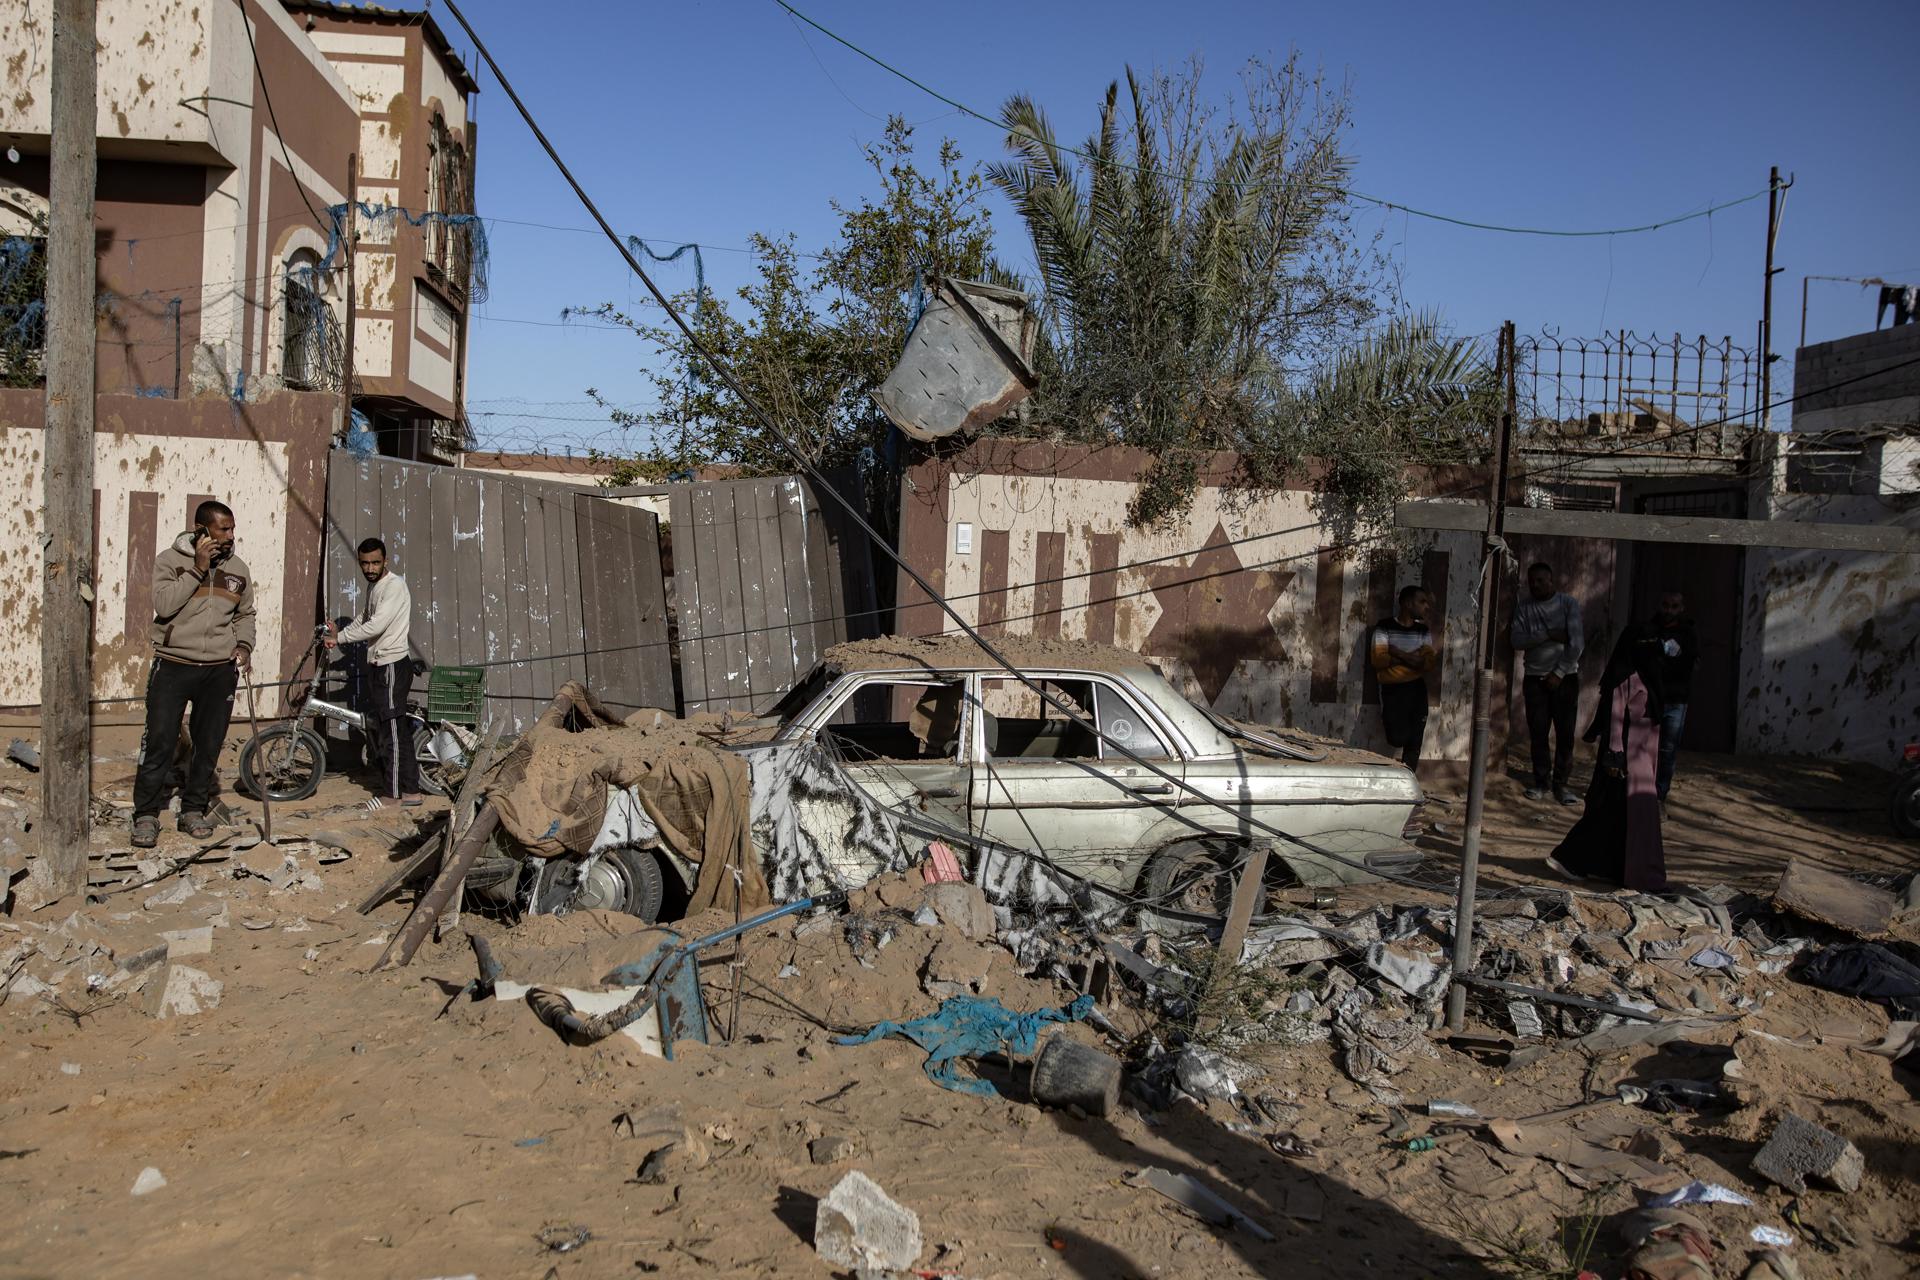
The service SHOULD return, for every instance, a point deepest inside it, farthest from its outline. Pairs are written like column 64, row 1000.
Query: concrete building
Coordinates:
column 225, row 131
column 1831, row 640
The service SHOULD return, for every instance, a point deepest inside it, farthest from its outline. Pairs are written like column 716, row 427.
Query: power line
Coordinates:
column 1382, row 202
column 1243, row 819
column 247, row 24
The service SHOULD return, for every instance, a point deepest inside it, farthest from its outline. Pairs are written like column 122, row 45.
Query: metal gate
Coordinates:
column 765, row 577
column 535, row 582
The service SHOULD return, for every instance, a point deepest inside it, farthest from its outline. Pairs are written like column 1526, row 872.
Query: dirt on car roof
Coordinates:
column 909, row 653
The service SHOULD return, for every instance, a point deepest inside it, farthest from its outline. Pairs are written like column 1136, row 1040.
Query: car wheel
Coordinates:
column 626, row 879
column 1905, row 810
column 1192, row 878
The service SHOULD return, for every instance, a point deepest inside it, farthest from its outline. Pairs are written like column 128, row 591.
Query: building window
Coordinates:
column 435, row 229
column 306, row 323
column 448, row 245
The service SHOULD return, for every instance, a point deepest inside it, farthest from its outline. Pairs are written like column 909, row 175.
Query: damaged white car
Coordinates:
column 936, row 729
column 1138, row 798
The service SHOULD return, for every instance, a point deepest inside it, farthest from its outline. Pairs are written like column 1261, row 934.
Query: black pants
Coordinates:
column 1403, row 712
column 1552, row 711
column 388, row 730
column 170, row 687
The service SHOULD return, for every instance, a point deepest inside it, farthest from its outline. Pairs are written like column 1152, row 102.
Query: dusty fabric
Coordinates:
column 551, row 794
column 816, row 829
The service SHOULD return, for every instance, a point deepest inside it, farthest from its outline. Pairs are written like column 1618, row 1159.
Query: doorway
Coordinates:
column 1710, row 578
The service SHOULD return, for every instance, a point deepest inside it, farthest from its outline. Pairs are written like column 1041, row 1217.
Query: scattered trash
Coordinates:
column 1772, row 1236
column 69, row 1068
column 1713, row 958
column 24, row 754
column 1526, row 1019
column 1452, row 1110
column 857, row 1225
column 150, row 1179
column 1207, row 1075
column 1867, row 971
column 562, row 1238
column 1069, row 1074
column 941, row 867
column 971, row 1027
column 926, row 918
column 1698, row 1193
column 530, row 1142
column 1198, row 1200
column 1799, row 1149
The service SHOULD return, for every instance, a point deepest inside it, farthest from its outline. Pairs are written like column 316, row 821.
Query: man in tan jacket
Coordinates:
column 202, row 638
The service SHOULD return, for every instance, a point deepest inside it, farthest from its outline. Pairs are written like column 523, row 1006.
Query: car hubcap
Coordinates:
column 603, row 888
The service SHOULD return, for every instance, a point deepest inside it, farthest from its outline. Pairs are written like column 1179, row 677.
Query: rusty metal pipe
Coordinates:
column 427, row 910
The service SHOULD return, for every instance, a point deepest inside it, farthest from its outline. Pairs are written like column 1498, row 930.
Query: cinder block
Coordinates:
column 1800, row 1149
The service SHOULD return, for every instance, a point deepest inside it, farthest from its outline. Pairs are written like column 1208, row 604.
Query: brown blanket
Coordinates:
column 551, row 794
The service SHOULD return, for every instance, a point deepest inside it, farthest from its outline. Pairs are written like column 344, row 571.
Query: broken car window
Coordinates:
column 897, row 720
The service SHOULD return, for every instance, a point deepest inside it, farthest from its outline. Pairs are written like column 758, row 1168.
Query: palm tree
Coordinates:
column 1199, row 288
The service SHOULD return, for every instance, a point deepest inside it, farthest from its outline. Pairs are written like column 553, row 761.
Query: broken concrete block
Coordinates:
column 962, row 906
column 830, row 1148
column 1800, row 1149
column 150, row 1179
column 172, row 896
column 857, row 1225
column 956, row 966
column 178, row 991
column 188, row 942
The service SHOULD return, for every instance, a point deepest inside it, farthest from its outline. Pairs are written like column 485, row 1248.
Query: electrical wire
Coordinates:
column 1382, row 202
column 246, row 24
column 1245, row 822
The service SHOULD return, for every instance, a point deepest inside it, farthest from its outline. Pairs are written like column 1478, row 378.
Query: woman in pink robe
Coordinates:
column 1618, row 837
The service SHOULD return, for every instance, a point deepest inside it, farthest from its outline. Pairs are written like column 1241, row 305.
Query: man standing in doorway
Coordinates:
column 383, row 625
column 1401, row 653
column 1547, row 629
column 202, row 639
column 1679, row 647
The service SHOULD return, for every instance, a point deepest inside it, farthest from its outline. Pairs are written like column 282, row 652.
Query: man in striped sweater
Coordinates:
column 383, row 625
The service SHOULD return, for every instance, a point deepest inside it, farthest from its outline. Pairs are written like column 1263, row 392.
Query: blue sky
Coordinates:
column 708, row 122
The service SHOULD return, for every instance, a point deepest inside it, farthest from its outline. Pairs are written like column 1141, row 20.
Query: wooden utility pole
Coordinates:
column 66, row 608
column 1484, row 648
column 349, row 235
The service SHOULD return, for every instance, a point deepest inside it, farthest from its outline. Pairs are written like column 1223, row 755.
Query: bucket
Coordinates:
column 1070, row 1074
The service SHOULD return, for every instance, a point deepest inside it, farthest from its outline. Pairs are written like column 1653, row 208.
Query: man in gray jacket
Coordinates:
column 202, row 638
column 1548, row 630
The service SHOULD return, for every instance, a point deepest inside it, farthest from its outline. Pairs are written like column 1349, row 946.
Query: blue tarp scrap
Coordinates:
column 970, row 1027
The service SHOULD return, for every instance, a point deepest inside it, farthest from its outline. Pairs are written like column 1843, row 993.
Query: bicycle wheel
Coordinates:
column 283, row 762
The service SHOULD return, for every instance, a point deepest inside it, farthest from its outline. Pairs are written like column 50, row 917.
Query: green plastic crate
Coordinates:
column 454, row 694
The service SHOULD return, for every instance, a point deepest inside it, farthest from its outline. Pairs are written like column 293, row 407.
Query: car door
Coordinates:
column 900, row 738
column 1042, row 783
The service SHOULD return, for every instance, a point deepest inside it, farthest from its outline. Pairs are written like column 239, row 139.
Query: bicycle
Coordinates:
column 288, row 760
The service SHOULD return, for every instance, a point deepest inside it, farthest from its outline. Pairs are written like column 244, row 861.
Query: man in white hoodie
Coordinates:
column 383, row 625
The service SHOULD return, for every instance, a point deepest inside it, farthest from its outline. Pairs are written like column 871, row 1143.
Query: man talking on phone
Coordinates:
column 202, row 640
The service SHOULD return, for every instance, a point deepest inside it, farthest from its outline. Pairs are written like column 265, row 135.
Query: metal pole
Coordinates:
column 1766, row 301
column 1482, row 694
column 351, row 234
column 66, row 609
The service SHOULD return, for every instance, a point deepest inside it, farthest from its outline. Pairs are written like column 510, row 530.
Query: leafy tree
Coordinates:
column 811, row 344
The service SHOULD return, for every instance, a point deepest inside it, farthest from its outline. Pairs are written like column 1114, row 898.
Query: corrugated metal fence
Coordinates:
column 765, row 578
column 539, row 583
